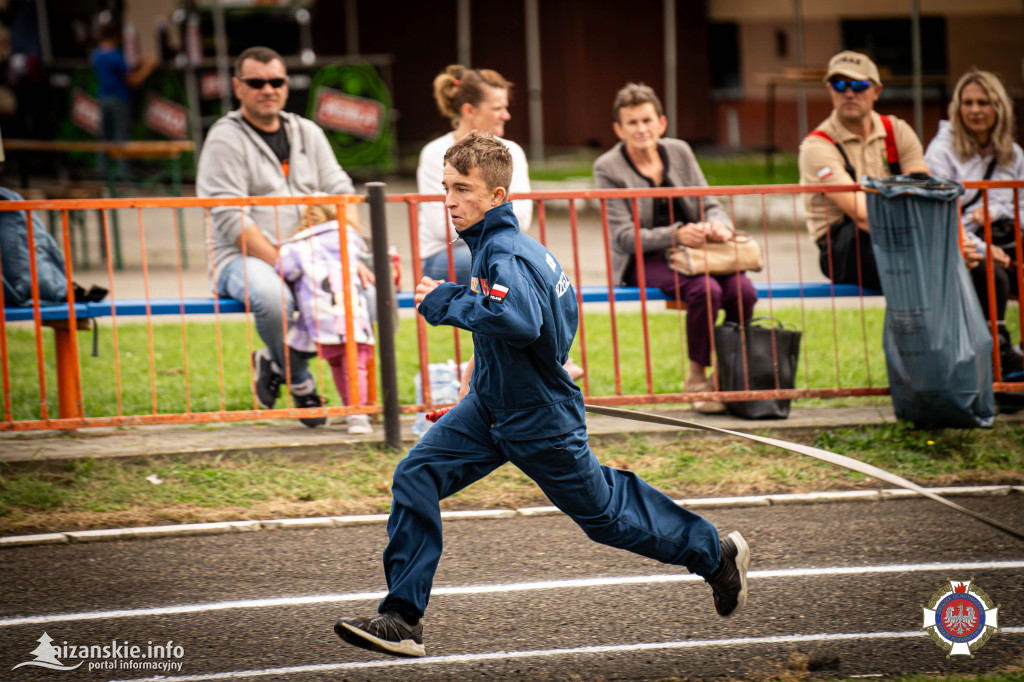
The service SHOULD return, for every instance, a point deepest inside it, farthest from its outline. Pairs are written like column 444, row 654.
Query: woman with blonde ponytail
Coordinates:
column 472, row 99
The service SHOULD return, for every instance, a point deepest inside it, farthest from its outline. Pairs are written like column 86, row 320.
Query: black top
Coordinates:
column 661, row 204
column 277, row 140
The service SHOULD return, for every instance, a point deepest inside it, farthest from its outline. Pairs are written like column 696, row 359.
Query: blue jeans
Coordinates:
column 436, row 266
column 613, row 507
column 115, row 126
column 266, row 292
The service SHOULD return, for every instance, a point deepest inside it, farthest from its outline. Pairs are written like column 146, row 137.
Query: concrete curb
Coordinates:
column 194, row 529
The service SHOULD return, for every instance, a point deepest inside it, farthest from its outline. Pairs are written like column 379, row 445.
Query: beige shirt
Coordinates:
column 822, row 164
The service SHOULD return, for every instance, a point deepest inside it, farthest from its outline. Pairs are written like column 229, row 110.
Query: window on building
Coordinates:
column 889, row 43
column 781, row 44
column 724, row 48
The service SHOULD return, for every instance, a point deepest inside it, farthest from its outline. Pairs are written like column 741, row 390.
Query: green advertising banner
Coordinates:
column 353, row 105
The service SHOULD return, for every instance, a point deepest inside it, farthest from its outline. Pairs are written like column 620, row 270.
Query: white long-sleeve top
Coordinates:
column 943, row 161
column 433, row 235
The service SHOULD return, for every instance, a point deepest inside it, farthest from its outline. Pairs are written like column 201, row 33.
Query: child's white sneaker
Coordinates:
column 359, row 424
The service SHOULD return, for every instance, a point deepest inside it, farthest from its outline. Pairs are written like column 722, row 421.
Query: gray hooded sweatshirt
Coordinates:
column 236, row 162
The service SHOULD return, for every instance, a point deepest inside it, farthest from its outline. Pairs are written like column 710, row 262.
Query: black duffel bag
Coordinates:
column 760, row 365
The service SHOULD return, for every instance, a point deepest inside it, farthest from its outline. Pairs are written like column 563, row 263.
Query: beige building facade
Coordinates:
column 956, row 36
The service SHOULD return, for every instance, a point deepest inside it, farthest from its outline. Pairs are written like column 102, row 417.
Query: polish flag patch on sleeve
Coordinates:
column 498, row 292
column 824, row 173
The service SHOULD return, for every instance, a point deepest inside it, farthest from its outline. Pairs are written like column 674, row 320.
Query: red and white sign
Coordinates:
column 354, row 115
column 85, row 112
column 210, row 85
column 166, row 117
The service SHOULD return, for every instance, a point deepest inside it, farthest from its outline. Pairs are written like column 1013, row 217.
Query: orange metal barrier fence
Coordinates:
column 20, row 412
column 629, row 350
column 769, row 232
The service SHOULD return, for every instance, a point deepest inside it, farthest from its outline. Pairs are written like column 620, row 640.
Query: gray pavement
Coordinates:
column 274, row 437
column 289, row 436
column 836, row 591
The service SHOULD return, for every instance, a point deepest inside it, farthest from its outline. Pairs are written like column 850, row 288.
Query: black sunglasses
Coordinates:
column 856, row 86
column 258, row 83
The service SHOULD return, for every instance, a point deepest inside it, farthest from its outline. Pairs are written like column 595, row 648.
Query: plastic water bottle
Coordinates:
column 444, row 389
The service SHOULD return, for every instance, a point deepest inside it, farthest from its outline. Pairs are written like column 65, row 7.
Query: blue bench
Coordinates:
column 599, row 294
column 133, row 307
column 128, row 307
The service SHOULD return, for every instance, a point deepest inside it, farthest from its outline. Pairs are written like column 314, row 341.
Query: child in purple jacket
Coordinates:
column 311, row 261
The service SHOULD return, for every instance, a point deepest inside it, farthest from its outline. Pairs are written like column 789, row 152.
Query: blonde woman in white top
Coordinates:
column 472, row 99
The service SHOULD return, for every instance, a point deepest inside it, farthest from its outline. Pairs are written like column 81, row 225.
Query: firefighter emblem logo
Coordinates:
column 960, row 618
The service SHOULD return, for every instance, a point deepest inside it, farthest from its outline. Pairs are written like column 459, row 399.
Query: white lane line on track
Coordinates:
column 547, row 653
column 513, row 587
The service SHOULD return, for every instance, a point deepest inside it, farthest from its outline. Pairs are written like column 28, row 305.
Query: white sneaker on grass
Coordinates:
column 359, row 424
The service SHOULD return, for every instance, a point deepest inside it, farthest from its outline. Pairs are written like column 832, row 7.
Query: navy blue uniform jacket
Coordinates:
column 523, row 314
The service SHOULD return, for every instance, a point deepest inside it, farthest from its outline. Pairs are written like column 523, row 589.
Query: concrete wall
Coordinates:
column 144, row 15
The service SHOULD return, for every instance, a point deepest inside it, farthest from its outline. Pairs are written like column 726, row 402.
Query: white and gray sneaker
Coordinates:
column 729, row 582
column 359, row 424
column 386, row 632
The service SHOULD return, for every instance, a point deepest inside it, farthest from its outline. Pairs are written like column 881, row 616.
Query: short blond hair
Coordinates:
column 320, row 213
column 964, row 141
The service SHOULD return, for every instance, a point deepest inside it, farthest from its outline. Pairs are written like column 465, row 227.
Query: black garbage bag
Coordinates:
column 938, row 350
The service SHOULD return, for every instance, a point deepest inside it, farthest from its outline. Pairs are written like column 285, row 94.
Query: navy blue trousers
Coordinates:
column 613, row 507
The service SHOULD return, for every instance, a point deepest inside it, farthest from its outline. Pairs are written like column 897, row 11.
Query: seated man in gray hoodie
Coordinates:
column 261, row 150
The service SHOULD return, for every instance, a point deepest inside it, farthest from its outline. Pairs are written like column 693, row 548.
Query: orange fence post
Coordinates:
column 69, row 380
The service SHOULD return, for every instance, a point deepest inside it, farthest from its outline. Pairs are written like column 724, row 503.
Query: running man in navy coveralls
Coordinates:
column 518, row 405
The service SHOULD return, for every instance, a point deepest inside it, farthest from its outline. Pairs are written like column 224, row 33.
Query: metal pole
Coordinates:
column 351, row 27
column 533, row 84
column 462, row 32
column 192, row 95
column 220, row 37
column 915, row 41
column 671, row 72
column 306, row 53
column 385, row 315
column 798, row 49
column 44, row 31
column 194, row 54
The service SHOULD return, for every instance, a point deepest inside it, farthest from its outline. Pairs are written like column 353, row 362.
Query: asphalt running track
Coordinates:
column 836, row 589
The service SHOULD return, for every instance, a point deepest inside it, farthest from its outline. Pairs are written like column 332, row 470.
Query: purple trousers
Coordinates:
column 734, row 293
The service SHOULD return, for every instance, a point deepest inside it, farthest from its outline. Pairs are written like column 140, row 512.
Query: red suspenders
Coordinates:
column 892, row 156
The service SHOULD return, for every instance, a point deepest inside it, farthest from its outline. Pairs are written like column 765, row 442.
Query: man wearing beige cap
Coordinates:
column 853, row 142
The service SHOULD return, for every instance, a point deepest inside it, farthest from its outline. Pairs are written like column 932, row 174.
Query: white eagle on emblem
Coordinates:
column 960, row 622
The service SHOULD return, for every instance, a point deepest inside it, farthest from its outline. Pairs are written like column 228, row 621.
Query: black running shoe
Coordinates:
column 386, row 632
column 729, row 583
column 311, row 399
column 265, row 381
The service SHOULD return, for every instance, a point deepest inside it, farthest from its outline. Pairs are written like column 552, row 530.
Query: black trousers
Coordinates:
column 843, row 242
column 979, row 276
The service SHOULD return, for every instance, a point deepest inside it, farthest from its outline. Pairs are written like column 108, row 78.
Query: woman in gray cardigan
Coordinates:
column 643, row 159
